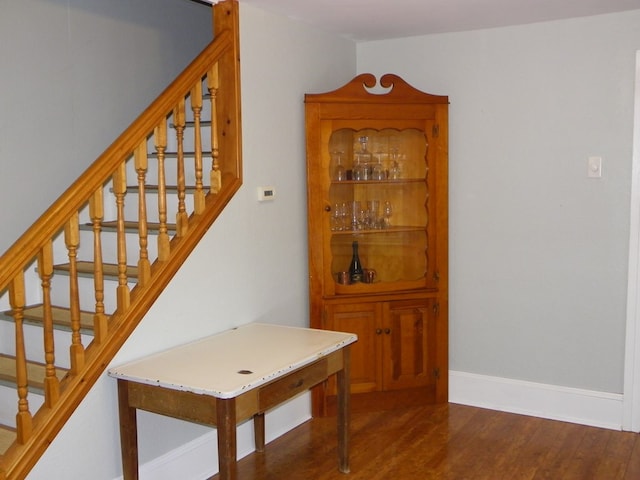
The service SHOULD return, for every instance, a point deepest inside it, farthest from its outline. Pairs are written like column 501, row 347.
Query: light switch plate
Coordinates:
column 594, row 167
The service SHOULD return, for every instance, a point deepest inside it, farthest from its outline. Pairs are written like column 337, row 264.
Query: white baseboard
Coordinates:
column 585, row 407
column 198, row 459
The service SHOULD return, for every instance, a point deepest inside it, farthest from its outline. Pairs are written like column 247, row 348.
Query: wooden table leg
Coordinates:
column 227, row 449
column 258, row 431
column 344, row 411
column 128, row 433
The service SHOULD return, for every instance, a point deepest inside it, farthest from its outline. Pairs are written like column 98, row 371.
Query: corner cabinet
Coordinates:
column 377, row 165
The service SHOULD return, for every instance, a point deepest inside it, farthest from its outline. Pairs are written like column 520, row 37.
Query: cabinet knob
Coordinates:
column 387, row 331
column 378, row 331
column 327, row 208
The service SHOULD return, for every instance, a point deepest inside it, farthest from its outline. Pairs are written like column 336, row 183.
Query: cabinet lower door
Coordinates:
column 363, row 319
column 409, row 344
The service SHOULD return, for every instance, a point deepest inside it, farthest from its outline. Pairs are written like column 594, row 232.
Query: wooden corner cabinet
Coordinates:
column 377, row 166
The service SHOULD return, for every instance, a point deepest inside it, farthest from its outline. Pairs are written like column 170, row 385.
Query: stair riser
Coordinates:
column 59, row 289
column 131, row 206
column 33, row 340
column 33, row 290
column 188, row 143
column 171, row 168
column 110, row 248
column 9, row 404
column 205, row 114
column 60, row 293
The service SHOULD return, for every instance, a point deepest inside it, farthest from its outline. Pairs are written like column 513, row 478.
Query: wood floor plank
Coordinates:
column 633, row 467
column 513, row 456
column 583, row 463
column 618, row 451
column 448, row 442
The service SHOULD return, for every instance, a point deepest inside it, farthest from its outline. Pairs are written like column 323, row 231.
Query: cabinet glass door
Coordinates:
column 379, row 197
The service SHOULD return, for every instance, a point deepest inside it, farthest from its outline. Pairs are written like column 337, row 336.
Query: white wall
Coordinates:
column 75, row 73
column 538, row 250
column 251, row 266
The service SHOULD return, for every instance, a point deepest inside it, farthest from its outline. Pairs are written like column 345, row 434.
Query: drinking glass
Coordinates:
column 337, row 222
column 356, row 207
column 377, row 172
column 339, row 172
column 387, row 212
column 363, row 159
column 373, row 210
column 358, row 169
column 395, row 172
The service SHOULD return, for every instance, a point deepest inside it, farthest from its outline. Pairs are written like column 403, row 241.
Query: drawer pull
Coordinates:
column 298, row 383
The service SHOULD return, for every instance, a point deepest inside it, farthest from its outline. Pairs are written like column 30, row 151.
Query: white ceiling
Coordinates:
column 364, row 20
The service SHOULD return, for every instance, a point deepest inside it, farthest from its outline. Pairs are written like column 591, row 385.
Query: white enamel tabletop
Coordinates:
column 231, row 362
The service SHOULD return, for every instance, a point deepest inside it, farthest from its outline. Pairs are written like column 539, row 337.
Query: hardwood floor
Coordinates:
column 451, row 442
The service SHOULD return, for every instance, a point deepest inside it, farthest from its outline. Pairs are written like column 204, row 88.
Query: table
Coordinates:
column 230, row 377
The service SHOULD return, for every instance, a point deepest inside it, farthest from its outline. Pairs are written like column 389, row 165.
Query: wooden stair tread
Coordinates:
column 188, row 154
column 108, row 269
column 168, row 188
column 35, row 372
column 191, row 123
column 61, row 316
column 7, row 437
column 129, row 226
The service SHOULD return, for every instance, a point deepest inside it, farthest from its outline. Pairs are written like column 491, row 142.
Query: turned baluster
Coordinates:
column 213, row 85
column 196, row 107
column 160, row 139
column 96, row 212
column 120, row 190
column 144, row 265
column 181, row 216
column 24, row 424
column 45, row 270
column 72, row 241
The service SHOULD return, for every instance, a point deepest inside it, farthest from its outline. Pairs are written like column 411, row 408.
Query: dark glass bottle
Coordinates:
column 355, row 269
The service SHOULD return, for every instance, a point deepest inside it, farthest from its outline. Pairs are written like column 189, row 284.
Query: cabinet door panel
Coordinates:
column 362, row 319
column 409, row 345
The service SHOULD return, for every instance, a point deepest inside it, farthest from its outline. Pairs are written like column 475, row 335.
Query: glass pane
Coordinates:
column 379, row 198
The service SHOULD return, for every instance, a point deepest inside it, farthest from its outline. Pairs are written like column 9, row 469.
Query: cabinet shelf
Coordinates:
column 388, row 181
column 378, row 231
column 361, row 288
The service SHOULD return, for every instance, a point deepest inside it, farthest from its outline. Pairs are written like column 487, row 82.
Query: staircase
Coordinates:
column 77, row 283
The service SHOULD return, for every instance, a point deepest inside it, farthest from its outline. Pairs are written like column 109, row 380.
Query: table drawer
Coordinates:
column 296, row 382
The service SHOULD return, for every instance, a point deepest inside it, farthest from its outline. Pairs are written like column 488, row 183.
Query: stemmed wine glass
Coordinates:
column 337, row 218
column 377, row 171
column 387, row 211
